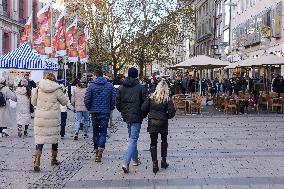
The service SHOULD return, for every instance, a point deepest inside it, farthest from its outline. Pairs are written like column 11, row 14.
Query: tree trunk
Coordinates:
column 141, row 69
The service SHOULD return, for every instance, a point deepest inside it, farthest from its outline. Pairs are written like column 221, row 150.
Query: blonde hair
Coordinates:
column 50, row 76
column 161, row 93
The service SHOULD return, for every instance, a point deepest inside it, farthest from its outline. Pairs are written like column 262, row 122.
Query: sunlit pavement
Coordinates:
column 205, row 151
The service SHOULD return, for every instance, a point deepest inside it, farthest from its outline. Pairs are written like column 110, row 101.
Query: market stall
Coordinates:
column 24, row 60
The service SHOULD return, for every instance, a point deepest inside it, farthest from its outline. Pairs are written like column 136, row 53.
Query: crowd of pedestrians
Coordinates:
column 95, row 100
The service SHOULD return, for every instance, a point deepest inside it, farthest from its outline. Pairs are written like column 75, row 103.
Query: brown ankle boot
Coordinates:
column 99, row 155
column 54, row 160
column 37, row 160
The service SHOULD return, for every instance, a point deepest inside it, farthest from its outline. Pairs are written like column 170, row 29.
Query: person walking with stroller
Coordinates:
column 99, row 101
column 131, row 94
column 160, row 108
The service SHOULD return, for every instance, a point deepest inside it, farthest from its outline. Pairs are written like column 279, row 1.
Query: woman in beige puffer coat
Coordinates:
column 23, row 114
column 47, row 99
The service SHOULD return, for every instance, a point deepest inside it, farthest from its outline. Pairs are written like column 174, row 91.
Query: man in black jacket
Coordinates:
column 130, row 96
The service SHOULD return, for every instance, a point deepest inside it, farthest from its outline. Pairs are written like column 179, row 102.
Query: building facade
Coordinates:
column 205, row 16
column 13, row 16
column 257, row 27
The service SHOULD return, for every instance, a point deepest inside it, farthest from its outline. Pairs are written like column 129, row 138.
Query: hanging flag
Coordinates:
column 72, row 41
column 82, row 46
column 59, row 40
column 38, row 43
column 27, row 33
column 44, row 20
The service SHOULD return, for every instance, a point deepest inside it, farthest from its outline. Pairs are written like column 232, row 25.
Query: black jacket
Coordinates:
column 158, row 115
column 130, row 96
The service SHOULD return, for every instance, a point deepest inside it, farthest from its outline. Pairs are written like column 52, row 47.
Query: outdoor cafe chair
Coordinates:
column 180, row 103
column 262, row 101
column 230, row 104
column 196, row 104
column 274, row 103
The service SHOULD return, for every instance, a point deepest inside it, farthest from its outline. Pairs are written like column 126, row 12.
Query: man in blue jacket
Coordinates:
column 100, row 100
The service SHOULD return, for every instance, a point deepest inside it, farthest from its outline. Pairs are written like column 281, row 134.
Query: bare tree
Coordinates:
column 132, row 32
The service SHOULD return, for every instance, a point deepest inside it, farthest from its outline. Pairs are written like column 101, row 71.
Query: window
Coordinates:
column 6, row 42
column 35, row 10
column 5, row 6
column 227, row 35
column 21, row 11
column 227, row 14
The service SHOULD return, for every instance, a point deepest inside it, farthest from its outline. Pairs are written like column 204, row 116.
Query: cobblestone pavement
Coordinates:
column 205, row 152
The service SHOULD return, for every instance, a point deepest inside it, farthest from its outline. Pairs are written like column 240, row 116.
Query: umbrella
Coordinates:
column 202, row 62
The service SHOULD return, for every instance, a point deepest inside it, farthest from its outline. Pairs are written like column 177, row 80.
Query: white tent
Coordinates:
column 25, row 59
column 269, row 59
column 202, row 62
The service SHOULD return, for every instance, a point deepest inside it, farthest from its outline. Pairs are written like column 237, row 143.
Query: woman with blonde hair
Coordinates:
column 47, row 99
column 160, row 108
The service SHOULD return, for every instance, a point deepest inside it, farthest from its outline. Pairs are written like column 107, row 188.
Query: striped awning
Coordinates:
column 26, row 58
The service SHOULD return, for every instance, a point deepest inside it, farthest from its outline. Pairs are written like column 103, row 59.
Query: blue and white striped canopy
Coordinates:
column 25, row 58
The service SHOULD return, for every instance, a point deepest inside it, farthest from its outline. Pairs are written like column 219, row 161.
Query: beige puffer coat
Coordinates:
column 77, row 99
column 23, row 107
column 6, row 119
column 47, row 99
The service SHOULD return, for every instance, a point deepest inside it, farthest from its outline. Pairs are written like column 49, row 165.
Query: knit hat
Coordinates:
column 132, row 72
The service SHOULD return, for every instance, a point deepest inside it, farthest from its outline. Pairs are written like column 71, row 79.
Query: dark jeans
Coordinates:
column 100, row 125
column 40, row 147
column 154, row 138
column 63, row 123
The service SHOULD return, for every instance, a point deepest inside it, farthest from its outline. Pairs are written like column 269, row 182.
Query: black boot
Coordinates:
column 26, row 130
column 164, row 149
column 154, row 159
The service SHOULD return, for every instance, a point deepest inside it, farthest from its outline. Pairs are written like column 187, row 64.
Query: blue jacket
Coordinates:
column 100, row 96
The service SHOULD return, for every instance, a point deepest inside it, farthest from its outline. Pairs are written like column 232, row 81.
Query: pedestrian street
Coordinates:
column 205, row 151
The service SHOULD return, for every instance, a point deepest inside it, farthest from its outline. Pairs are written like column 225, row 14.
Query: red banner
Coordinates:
column 44, row 20
column 38, row 44
column 72, row 41
column 27, row 33
column 82, row 46
column 59, row 40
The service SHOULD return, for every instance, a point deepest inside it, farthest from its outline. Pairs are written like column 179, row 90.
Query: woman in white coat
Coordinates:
column 47, row 99
column 23, row 114
column 5, row 110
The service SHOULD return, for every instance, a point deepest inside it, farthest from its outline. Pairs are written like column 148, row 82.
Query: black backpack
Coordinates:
column 2, row 99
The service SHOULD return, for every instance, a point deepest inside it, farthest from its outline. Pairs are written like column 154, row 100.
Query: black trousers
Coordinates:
column 40, row 147
column 154, row 138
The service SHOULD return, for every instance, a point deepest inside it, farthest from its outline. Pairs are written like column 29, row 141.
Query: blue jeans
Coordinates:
column 132, row 151
column 78, row 118
column 100, row 125
column 63, row 123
